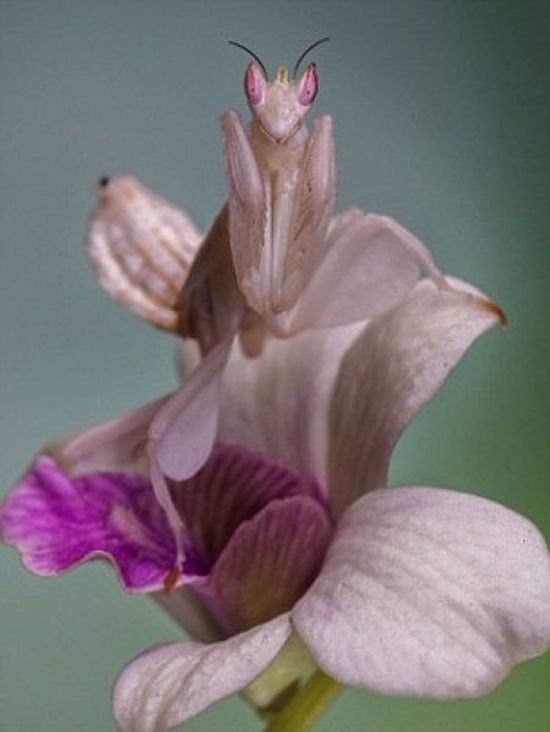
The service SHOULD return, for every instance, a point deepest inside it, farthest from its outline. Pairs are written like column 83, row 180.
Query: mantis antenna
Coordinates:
column 305, row 53
column 254, row 56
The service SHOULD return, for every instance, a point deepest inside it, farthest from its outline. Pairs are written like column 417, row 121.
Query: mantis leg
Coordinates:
column 248, row 211
column 311, row 210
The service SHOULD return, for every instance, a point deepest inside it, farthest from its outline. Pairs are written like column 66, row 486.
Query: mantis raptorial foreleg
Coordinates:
column 278, row 214
column 249, row 210
column 272, row 251
column 312, row 204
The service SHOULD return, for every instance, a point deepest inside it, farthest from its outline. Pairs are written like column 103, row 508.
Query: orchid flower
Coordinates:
column 297, row 554
column 252, row 503
column 148, row 255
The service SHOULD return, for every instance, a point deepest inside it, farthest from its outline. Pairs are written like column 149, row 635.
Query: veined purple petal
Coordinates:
column 57, row 522
column 231, row 488
column 269, row 562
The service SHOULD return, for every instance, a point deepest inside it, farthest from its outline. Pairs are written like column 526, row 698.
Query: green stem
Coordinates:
column 307, row 705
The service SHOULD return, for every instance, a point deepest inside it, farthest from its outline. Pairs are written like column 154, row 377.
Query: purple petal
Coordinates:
column 57, row 522
column 231, row 488
column 270, row 562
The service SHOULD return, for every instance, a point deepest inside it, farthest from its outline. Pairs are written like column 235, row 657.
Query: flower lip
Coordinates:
column 57, row 522
column 241, row 512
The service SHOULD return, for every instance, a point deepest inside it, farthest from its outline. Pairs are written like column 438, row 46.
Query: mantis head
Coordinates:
column 279, row 107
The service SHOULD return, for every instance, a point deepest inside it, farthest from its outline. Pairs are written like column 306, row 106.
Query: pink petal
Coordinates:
column 117, row 445
column 370, row 265
column 183, row 432
column 277, row 404
column 270, row 561
column 393, row 368
column 428, row 592
column 169, row 684
column 57, row 522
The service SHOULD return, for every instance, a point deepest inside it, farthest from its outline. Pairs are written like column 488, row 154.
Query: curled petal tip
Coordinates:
column 171, row 579
column 496, row 310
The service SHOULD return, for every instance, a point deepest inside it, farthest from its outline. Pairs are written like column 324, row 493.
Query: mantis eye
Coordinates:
column 254, row 85
column 309, row 86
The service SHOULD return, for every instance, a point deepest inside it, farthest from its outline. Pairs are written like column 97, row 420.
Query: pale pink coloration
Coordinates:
column 194, row 675
column 275, row 239
column 370, row 264
column 141, row 248
column 281, row 187
column 266, row 265
column 424, row 591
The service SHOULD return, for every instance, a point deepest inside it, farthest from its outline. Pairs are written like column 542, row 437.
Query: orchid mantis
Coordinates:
column 273, row 254
column 275, row 262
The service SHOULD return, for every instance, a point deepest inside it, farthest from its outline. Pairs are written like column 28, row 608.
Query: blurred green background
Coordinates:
column 442, row 112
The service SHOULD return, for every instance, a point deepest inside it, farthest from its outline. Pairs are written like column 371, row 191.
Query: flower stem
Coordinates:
column 307, row 705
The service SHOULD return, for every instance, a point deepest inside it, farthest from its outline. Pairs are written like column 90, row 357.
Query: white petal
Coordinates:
column 428, row 592
column 117, row 445
column 393, row 368
column 165, row 686
column 277, row 404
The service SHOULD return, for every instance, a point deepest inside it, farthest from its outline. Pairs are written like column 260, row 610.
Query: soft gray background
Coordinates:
column 442, row 112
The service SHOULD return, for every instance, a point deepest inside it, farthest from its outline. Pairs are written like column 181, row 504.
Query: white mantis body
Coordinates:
column 274, row 261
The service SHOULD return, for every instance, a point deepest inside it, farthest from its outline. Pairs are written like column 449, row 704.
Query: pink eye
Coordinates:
column 309, row 86
column 254, row 85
